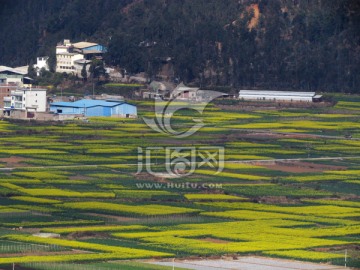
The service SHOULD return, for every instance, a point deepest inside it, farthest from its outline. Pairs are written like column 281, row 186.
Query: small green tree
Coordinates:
column 97, row 69
column 31, row 72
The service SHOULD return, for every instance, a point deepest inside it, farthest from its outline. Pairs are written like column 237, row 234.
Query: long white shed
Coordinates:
column 277, row 95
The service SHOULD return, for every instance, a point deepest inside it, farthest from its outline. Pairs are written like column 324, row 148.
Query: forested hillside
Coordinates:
column 275, row 44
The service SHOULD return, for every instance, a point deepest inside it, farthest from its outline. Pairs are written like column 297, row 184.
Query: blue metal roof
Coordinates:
column 87, row 103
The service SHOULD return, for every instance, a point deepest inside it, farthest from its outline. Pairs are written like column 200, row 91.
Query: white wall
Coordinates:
column 36, row 98
column 61, row 49
column 41, row 62
column 65, row 62
column 272, row 98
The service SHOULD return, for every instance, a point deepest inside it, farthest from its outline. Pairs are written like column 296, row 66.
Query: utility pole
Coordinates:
column 93, row 77
column 345, row 257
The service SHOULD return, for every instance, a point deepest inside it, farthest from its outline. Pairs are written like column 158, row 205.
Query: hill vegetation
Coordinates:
column 277, row 44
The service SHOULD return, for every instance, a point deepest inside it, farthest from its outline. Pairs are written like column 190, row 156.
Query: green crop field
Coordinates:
column 289, row 188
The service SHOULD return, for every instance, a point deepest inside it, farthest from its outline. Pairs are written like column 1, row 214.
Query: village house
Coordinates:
column 14, row 76
column 23, row 101
column 72, row 57
column 41, row 63
column 5, row 91
column 184, row 92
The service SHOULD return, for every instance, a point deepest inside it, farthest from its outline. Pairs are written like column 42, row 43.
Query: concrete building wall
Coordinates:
column 5, row 91
column 36, row 99
column 41, row 62
column 65, row 62
column 28, row 99
column 61, row 49
column 11, row 79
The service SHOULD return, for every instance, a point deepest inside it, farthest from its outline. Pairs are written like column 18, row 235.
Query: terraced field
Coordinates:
column 290, row 188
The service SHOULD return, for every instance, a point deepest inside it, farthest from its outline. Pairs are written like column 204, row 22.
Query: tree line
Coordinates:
column 292, row 44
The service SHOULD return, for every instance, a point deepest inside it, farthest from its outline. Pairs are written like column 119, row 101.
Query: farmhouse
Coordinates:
column 184, row 93
column 279, row 96
column 15, row 76
column 5, row 91
column 90, row 107
column 29, row 99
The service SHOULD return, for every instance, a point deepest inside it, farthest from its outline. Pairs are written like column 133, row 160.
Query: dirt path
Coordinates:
column 248, row 263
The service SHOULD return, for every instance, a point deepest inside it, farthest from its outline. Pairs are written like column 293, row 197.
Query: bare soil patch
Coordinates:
column 302, row 167
column 14, row 161
column 87, row 235
column 159, row 177
column 278, row 200
column 214, row 240
column 115, row 218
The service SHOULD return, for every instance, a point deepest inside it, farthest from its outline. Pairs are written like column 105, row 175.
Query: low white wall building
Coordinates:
column 278, row 95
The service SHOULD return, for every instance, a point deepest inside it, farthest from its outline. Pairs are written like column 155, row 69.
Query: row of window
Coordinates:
column 17, row 105
column 64, row 62
column 65, row 67
column 63, row 56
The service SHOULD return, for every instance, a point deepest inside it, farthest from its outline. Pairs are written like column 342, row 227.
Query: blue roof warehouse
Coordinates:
column 89, row 107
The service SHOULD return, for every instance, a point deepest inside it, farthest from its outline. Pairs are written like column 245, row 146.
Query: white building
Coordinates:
column 72, row 57
column 66, row 57
column 41, row 62
column 14, row 76
column 26, row 99
column 279, row 96
column 65, row 62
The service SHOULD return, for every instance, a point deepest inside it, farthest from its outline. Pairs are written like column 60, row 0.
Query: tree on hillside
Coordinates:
column 31, row 72
column 84, row 73
column 97, row 69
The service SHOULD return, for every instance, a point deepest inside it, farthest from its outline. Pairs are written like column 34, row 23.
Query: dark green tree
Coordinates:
column 97, row 69
column 84, row 73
